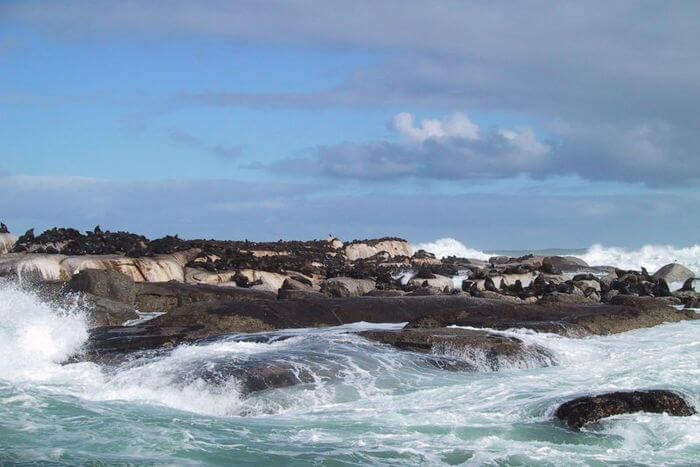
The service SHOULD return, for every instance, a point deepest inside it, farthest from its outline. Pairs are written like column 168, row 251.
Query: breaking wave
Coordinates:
column 651, row 257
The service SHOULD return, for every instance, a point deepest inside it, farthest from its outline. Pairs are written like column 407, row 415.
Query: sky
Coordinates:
column 511, row 125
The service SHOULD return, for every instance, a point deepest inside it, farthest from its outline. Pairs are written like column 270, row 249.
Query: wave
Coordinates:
column 651, row 257
column 444, row 247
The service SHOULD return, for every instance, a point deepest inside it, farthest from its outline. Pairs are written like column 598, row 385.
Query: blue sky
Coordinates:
column 503, row 125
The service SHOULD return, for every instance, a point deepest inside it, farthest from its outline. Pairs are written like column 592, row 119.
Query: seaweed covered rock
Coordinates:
column 583, row 410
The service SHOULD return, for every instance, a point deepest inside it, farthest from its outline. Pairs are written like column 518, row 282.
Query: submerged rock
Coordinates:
column 481, row 350
column 583, row 410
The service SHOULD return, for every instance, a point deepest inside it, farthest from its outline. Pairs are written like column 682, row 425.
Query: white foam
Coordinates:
column 651, row 257
column 444, row 247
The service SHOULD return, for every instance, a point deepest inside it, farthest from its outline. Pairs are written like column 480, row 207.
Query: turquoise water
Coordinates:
column 369, row 404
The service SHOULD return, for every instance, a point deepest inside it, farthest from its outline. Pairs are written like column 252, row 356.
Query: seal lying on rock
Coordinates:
column 583, row 410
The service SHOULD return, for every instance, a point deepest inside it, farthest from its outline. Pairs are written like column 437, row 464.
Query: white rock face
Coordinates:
column 271, row 281
column 53, row 267
column 438, row 281
column 674, row 272
column 357, row 251
column 7, row 241
column 34, row 266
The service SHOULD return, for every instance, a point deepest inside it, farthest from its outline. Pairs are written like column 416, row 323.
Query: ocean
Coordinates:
column 368, row 404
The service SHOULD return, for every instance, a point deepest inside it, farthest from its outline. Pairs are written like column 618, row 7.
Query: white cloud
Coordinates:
column 457, row 125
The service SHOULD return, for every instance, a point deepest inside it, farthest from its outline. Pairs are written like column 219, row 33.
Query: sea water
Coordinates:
column 368, row 403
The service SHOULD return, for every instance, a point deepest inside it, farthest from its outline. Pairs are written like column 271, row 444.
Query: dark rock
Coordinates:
column 106, row 312
column 254, row 376
column 166, row 296
column 3, row 228
column 688, row 285
column 558, row 297
column 661, row 288
column 583, row 410
column 385, row 293
column 289, row 294
column 295, row 284
column 104, row 283
column 558, row 264
column 424, row 291
column 481, row 349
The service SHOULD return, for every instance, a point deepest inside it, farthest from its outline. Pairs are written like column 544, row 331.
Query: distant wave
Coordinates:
column 651, row 257
column 445, row 247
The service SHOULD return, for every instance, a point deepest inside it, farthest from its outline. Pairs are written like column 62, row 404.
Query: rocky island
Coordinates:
column 196, row 290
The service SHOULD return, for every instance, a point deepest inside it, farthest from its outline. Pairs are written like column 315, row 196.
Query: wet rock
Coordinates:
column 166, row 296
column 106, row 312
column 674, row 272
column 482, row 350
column 254, row 376
column 104, row 283
column 583, row 410
column 571, row 319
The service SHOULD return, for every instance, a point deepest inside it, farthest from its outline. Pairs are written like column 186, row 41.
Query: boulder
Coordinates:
column 104, row 283
column 368, row 248
column 441, row 283
column 674, row 272
column 201, row 276
column 481, row 350
column 559, row 264
column 106, row 312
column 583, row 410
column 347, row 286
column 260, row 280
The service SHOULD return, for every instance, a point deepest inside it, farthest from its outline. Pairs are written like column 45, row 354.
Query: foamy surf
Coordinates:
column 366, row 404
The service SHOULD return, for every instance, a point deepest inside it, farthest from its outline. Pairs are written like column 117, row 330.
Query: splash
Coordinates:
column 651, row 257
column 445, row 247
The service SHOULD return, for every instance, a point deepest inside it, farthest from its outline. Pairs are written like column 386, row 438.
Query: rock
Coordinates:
column 7, row 242
column 106, row 312
column 674, row 272
column 498, row 296
column 482, row 350
column 499, row 259
column 347, row 286
column 368, row 248
column 166, row 296
column 587, row 284
column 688, row 285
column 287, row 294
column 583, row 410
column 254, row 376
column 559, row 264
column 441, row 283
column 104, row 283
column 294, row 284
column 570, row 319
column 260, row 280
column 609, row 295
column 558, row 297
column 385, row 293
column 424, row 291
column 34, row 267
column 200, row 276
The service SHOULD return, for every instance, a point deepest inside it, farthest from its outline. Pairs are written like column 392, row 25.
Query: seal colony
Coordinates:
column 203, row 289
